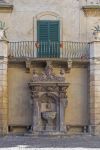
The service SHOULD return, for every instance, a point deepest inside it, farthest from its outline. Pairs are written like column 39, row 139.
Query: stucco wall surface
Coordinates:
column 20, row 109
column 75, row 26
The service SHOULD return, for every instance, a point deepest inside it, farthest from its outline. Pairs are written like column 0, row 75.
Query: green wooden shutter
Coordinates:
column 43, row 31
column 54, row 31
column 48, row 36
column 54, row 38
column 43, row 37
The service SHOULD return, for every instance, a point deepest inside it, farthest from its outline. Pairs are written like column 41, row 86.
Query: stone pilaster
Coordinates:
column 3, row 87
column 95, row 88
column 63, row 104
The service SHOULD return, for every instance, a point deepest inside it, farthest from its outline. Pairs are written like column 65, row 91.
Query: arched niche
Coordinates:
column 49, row 103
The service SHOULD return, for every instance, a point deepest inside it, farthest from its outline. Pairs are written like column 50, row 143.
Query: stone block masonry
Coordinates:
column 95, row 87
column 3, row 88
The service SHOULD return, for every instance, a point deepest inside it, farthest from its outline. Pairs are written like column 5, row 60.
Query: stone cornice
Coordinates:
column 91, row 10
column 5, row 7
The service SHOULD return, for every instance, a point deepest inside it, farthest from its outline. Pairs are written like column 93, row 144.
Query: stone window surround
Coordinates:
column 47, row 15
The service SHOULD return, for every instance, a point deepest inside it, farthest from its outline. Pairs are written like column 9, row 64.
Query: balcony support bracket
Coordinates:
column 28, row 65
column 69, row 65
column 48, row 63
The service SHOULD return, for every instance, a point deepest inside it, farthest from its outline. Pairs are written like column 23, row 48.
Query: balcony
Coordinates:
column 44, row 50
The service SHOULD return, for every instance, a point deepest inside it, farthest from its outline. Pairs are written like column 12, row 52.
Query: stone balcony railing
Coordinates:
column 65, row 49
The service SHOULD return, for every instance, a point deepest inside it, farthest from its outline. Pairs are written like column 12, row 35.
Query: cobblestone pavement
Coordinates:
column 30, row 142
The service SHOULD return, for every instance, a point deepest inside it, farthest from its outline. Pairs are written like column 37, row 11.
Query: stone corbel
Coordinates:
column 28, row 65
column 69, row 65
column 48, row 63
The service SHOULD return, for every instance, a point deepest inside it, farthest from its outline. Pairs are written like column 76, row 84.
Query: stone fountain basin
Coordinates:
column 48, row 115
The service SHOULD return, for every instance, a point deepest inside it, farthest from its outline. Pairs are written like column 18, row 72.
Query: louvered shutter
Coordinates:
column 43, row 31
column 48, row 37
column 54, row 38
column 43, row 38
column 54, row 31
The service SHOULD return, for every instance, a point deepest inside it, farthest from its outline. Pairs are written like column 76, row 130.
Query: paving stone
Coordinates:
column 28, row 142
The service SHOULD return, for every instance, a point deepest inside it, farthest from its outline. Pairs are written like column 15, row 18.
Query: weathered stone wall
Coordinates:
column 77, row 110
column 95, row 88
column 75, row 25
column 20, row 110
column 3, row 88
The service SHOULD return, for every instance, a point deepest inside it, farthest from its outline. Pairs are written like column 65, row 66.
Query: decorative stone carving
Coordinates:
column 48, row 75
column 49, row 116
column 49, row 101
column 62, row 72
column 35, row 95
column 2, row 31
column 48, row 110
column 96, row 33
column 63, row 89
column 63, row 95
column 51, row 89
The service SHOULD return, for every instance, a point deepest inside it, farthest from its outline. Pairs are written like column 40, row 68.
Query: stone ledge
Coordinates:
column 92, row 7
column 5, row 7
column 91, row 10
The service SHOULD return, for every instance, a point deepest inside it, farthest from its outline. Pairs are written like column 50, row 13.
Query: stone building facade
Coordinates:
column 49, row 67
